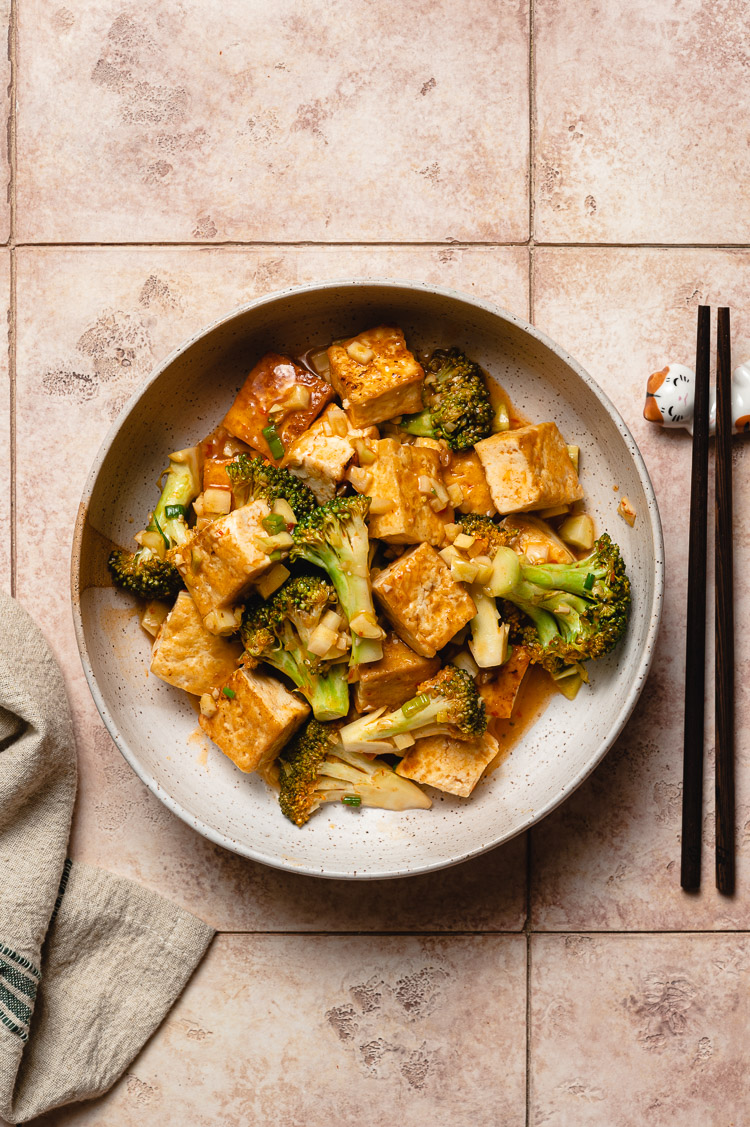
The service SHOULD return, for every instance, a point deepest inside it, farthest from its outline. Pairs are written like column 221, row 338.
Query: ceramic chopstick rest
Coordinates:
column 670, row 396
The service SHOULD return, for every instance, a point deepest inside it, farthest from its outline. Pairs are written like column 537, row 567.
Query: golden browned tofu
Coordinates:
column 187, row 656
column 455, row 766
column 253, row 723
column 376, row 376
column 529, row 468
column 499, row 694
column 394, row 678
column 277, row 391
column 405, row 481
column 422, row 601
column 220, row 563
column 467, row 486
column 534, row 539
column 319, row 457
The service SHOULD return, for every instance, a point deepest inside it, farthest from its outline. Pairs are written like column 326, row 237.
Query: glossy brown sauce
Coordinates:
column 534, row 695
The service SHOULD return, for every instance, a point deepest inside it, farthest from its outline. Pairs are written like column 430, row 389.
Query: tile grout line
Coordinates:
column 12, row 48
column 525, row 932
column 439, row 244
column 529, row 858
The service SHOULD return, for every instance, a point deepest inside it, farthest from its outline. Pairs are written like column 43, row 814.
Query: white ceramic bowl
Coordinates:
column 154, row 725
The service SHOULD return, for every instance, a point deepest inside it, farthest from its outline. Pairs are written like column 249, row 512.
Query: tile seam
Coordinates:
column 531, row 243
column 525, row 932
column 12, row 58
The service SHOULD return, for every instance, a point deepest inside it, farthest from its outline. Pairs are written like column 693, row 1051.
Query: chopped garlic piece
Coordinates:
column 626, row 511
column 321, row 640
column 208, row 706
column 271, row 580
column 217, row 501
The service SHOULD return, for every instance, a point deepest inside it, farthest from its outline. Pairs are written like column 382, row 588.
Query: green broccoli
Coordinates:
column 448, row 704
column 457, row 405
column 281, row 632
column 254, row 478
column 314, row 768
column 334, row 536
column 147, row 573
column 579, row 610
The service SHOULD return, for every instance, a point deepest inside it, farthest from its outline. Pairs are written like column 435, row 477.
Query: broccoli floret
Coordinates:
column 255, row 479
column 314, row 768
column 334, row 536
column 448, row 704
column 146, row 573
column 457, row 405
column 280, row 631
column 579, row 609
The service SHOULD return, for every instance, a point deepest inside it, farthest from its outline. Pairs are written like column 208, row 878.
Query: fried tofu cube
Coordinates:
column 529, row 468
column 255, row 716
column 394, row 678
column 405, row 479
column 220, row 563
column 277, row 391
column 376, row 376
column 455, row 766
column 186, row 655
column 467, row 485
column 319, row 457
column 422, row 601
column 500, row 692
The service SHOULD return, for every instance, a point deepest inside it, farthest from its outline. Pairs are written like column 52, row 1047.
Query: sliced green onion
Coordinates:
column 588, row 582
column 161, row 533
column 275, row 445
column 171, row 511
column 230, row 694
column 415, row 705
column 274, row 523
column 351, row 800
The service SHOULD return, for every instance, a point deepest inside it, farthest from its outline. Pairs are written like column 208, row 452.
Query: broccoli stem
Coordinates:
column 367, row 730
column 355, row 595
column 329, row 693
column 570, row 577
column 489, row 637
column 420, row 425
column 181, row 487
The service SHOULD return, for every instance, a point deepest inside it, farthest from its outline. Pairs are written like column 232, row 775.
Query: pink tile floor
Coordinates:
column 583, row 165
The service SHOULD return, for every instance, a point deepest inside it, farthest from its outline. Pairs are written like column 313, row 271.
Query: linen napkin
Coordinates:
column 90, row 963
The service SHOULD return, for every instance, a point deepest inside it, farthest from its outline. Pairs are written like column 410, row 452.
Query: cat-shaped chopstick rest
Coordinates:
column 670, row 398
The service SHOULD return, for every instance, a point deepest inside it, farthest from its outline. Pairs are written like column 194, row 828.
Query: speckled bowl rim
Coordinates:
column 639, row 674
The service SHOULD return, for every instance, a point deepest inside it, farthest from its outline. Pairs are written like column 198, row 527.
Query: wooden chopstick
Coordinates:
column 692, row 787
column 724, row 686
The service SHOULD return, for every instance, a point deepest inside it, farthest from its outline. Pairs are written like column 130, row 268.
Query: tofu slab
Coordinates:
column 221, row 562
column 273, row 378
column 455, row 766
column 529, row 468
column 187, row 656
column 396, row 475
column 394, row 678
column 252, row 726
column 319, row 457
column 499, row 694
column 422, row 601
column 376, row 376
column 465, row 471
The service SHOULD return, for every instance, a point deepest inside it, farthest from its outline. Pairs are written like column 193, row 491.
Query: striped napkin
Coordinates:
column 89, row 963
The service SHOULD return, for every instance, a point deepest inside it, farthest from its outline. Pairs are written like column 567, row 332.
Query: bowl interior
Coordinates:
column 156, row 726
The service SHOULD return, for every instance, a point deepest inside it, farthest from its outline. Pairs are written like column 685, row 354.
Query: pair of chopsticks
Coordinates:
column 692, row 796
